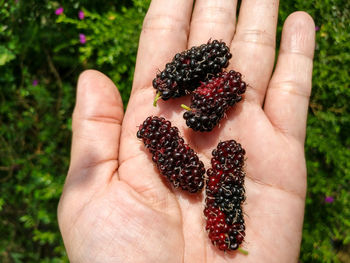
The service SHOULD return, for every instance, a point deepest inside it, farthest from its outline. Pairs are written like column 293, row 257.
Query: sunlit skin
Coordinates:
column 116, row 208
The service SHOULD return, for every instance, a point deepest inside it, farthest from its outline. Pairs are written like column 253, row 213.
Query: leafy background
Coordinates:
column 41, row 56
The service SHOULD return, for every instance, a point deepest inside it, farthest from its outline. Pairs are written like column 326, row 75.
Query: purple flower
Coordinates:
column 329, row 199
column 82, row 38
column 35, row 82
column 317, row 28
column 59, row 11
column 81, row 15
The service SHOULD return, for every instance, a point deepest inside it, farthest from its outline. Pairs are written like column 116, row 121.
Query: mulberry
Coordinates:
column 188, row 68
column 225, row 195
column 174, row 159
column 210, row 101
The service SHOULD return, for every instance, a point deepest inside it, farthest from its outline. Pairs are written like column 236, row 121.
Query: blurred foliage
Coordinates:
column 40, row 60
column 41, row 57
column 327, row 225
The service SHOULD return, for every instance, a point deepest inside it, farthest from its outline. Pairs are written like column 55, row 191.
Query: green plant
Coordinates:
column 38, row 75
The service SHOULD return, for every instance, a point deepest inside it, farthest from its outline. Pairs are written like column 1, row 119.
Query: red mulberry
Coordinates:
column 210, row 101
column 174, row 159
column 225, row 195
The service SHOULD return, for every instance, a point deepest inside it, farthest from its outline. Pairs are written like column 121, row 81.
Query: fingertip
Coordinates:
column 97, row 96
column 298, row 34
column 92, row 81
column 302, row 15
column 92, row 75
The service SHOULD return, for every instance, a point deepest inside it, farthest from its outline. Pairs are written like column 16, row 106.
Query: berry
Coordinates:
column 211, row 99
column 174, row 159
column 189, row 67
column 225, row 195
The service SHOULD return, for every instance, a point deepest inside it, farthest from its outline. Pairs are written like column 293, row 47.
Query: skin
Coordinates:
column 116, row 208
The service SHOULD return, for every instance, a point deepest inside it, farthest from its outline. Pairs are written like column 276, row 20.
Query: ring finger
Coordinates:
column 253, row 46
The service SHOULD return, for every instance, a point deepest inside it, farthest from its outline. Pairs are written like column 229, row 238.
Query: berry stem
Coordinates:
column 186, row 107
column 245, row 252
column 159, row 94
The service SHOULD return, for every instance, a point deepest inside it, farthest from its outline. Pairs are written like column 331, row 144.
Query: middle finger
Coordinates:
column 213, row 19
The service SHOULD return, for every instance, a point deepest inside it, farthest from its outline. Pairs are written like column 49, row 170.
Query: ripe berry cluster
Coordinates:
column 211, row 99
column 174, row 159
column 199, row 71
column 189, row 67
column 225, row 195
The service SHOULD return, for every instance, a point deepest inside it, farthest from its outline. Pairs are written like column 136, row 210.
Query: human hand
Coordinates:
column 116, row 208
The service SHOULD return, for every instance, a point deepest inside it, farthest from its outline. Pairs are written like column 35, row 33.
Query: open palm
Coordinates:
column 116, row 208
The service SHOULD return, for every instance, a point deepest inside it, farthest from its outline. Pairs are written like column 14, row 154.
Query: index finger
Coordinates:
column 164, row 33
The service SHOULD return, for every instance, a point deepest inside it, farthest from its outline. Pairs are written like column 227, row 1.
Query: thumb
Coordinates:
column 97, row 119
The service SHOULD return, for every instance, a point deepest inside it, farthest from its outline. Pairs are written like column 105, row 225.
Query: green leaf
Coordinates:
column 5, row 55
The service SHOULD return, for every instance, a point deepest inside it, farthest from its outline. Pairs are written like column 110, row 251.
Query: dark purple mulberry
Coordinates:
column 174, row 159
column 189, row 67
column 225, row 195
column 210, row 101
